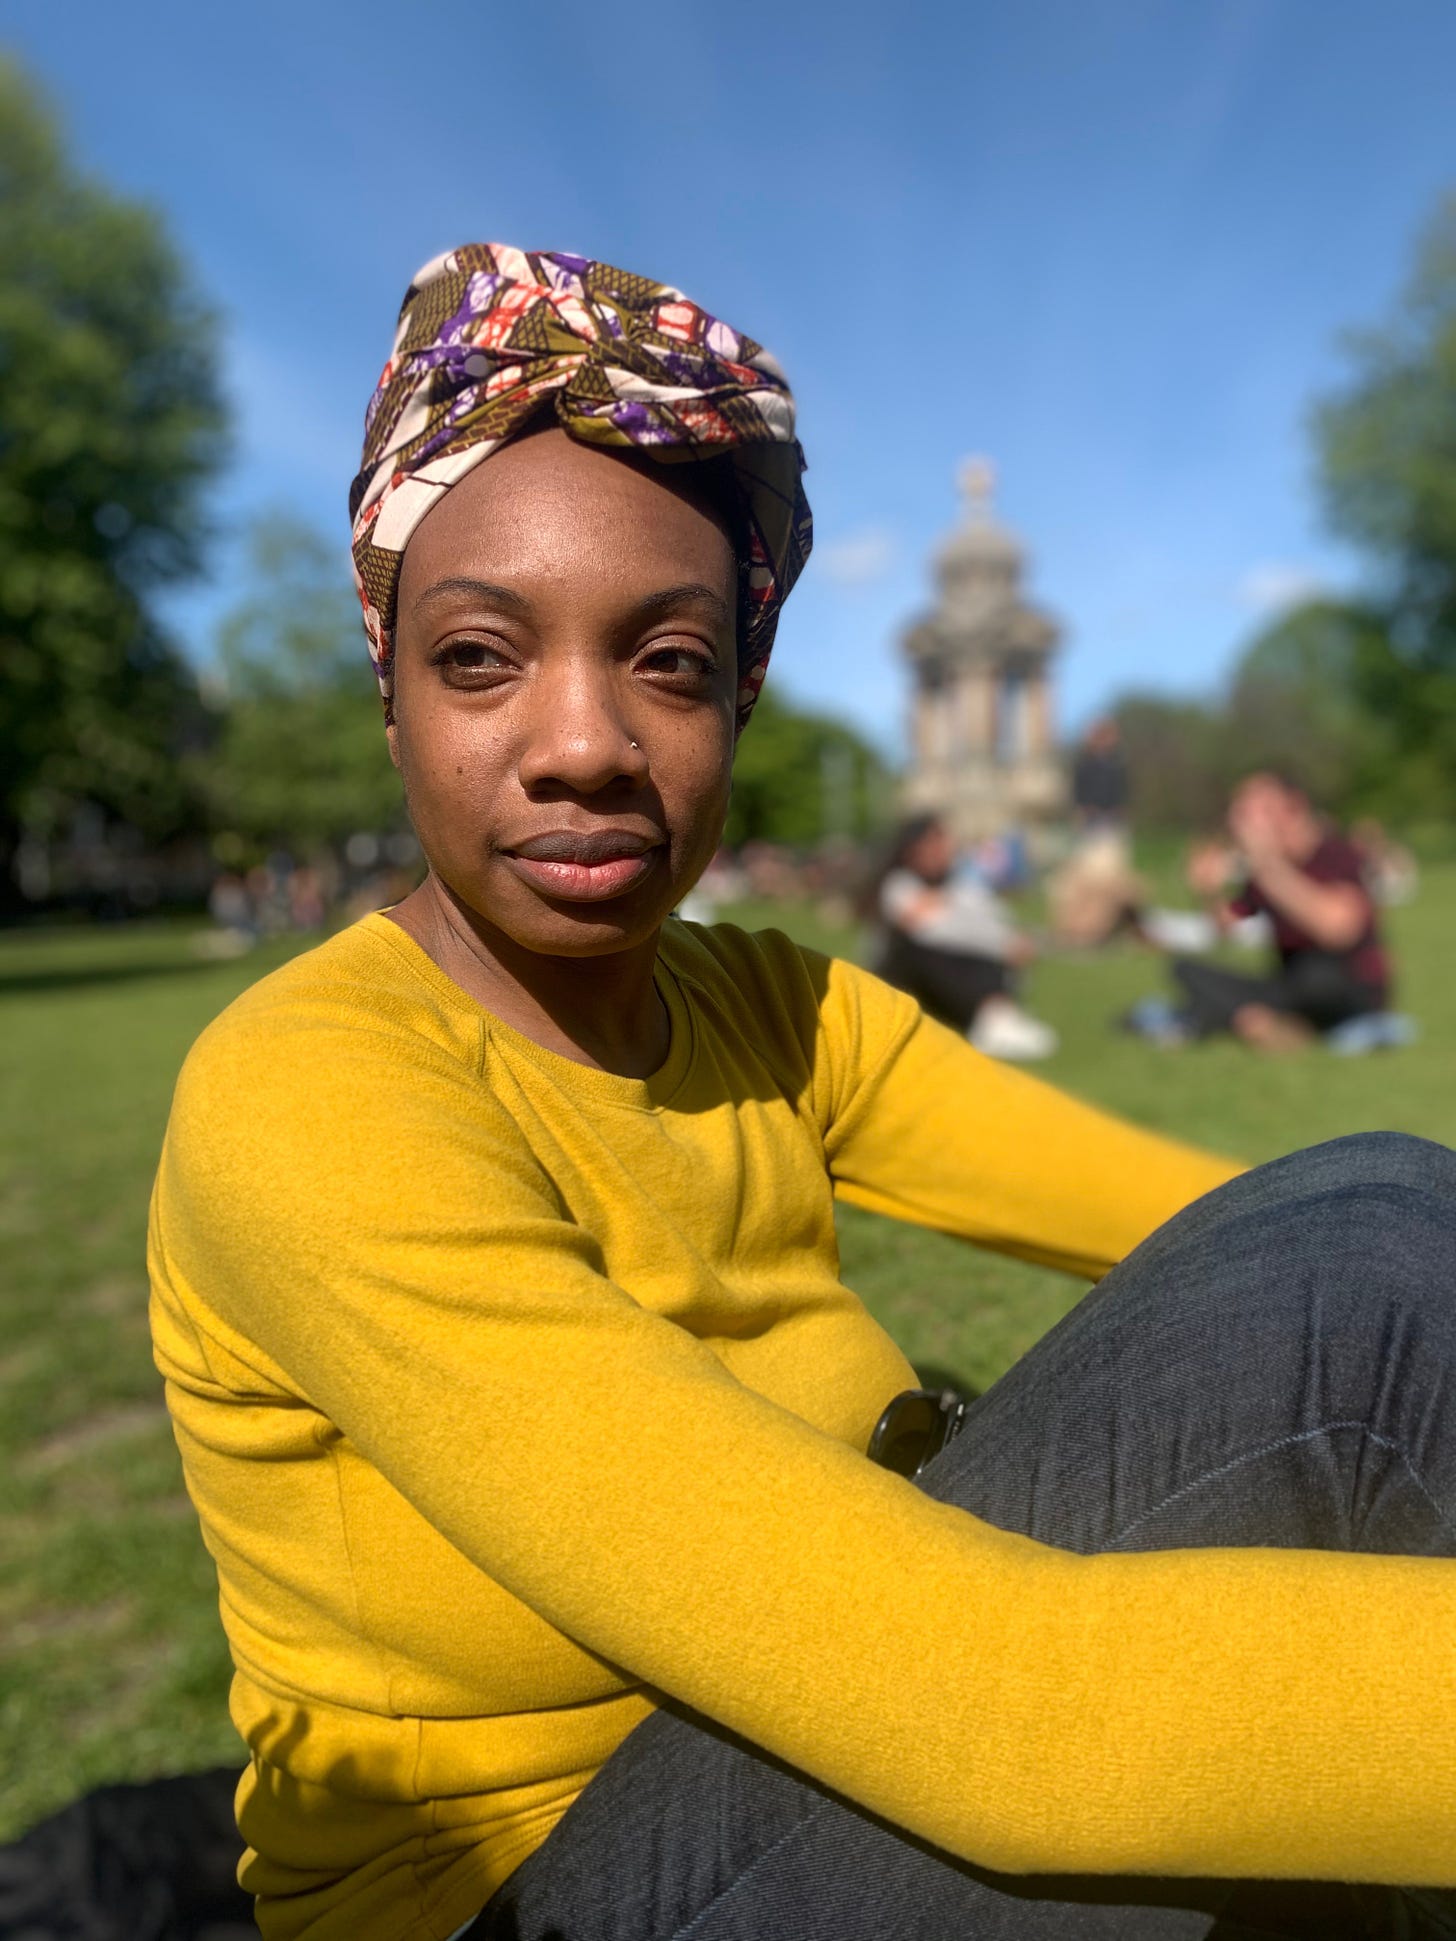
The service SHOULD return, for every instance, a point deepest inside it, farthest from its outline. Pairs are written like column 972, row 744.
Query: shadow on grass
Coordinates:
column 77, row 977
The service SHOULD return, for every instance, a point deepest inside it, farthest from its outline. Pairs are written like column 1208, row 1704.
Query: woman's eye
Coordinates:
column 685, row 663
column 471, row 661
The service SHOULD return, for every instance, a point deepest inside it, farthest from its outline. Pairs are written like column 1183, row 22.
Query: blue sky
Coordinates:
column 1112, row 243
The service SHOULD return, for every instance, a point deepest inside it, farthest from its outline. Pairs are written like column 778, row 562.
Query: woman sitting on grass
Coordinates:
column 496, row 1290
column 951, row 945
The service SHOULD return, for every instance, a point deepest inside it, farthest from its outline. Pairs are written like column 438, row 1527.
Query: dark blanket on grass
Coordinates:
column 154, row 1862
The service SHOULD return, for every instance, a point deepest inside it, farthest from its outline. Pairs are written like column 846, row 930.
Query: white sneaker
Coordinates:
column 1002, row 1029
column 1187, row 933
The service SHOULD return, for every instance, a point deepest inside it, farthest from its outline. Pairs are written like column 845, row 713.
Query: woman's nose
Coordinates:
column 578, row 737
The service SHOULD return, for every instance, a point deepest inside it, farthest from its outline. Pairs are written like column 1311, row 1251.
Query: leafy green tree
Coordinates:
column 1177, row 760
column 110, row 424
column 1302, row 698
column 300, row 760
column 1358, row 695
column 1307, row 696
column 1299, row 700
column 1387, row 453
column 799, row 777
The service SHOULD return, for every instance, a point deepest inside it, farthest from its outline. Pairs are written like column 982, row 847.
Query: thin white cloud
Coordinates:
column 1273, row 586
column 860, row 557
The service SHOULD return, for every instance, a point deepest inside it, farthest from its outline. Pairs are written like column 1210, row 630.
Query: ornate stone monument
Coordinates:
column 982, row 748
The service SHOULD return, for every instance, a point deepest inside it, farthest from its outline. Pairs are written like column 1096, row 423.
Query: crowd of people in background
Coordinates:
column 279, row 895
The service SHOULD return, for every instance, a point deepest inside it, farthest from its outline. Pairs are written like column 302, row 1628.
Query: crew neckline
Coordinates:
column 648, row 1094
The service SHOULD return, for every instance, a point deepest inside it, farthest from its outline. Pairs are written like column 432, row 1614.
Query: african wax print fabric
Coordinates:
column 492, row 339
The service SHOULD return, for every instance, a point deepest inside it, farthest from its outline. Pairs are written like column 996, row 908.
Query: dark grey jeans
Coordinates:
column 1315, row 985
column 1273, row 1367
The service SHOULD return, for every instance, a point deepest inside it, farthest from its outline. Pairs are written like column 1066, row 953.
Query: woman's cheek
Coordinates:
column 460, row 764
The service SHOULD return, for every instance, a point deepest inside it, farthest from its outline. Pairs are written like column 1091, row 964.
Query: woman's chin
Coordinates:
column 550, row 928
column 595, row 936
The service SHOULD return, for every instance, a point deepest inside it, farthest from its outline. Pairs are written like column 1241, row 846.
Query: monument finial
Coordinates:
column 978, row 482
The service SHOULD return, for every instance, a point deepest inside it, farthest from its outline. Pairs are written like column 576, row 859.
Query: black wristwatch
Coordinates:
column 916, row 1426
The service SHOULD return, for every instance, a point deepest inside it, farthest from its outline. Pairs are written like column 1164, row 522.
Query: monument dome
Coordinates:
column 980, row 558
column 981, row 732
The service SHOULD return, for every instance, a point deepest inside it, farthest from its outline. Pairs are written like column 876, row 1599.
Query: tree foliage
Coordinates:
column 1358, row 696
column 110, row 423
column 1176, row 760
column 1298, row 702
column 1387, row 454
column 300, row 760
column 799, row 777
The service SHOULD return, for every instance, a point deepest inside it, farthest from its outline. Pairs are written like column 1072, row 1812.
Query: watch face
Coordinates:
column 912, row 1429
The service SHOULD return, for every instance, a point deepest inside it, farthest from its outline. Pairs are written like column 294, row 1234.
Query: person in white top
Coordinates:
column 950, row 942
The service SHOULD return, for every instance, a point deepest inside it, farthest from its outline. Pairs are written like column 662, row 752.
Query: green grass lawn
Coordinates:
column 111, row 1658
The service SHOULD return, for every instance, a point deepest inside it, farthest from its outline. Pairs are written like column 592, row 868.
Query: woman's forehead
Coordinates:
column 547, row 506
column 548, row 517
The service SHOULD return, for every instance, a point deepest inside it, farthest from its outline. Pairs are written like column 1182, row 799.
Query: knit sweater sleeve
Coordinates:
column 376, row 1239
column 920, row 1126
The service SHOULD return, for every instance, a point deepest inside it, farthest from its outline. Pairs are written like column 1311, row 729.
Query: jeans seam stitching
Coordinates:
column 1286, row 1442
column 679, row 1934
column 1438, row 1915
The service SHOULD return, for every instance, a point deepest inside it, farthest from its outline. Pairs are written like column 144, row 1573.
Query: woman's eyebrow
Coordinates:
column 484, row 591
column 654, row 606
column 692, row 593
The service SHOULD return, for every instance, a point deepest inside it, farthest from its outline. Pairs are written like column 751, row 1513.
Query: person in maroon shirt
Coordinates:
column 1308, row 880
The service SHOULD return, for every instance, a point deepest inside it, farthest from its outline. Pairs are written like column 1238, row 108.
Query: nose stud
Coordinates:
column 632, row 744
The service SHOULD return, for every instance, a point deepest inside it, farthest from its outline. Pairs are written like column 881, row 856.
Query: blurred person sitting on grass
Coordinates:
column 950, row 943
column 496, row 1290
column 1293, row 868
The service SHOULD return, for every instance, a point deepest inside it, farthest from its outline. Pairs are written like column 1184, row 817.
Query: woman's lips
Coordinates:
column 586, row 870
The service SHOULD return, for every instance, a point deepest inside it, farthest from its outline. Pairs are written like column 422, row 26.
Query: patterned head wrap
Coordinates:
column 491, row 337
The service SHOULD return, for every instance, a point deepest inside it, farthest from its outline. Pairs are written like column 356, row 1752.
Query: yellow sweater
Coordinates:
column 510, row 1390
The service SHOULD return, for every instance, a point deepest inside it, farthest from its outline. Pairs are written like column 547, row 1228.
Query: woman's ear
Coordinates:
column 391, row 735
